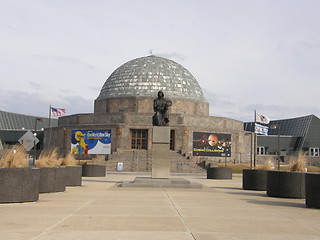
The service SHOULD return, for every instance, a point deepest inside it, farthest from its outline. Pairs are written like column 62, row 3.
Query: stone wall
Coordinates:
column 145, row 105
column 184, row 125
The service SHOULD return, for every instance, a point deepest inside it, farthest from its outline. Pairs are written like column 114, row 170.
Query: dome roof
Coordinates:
column 145, row 76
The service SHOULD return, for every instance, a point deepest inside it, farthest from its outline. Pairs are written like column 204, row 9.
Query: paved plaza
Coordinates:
column 101, row 210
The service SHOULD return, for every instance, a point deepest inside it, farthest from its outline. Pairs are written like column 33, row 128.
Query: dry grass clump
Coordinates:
column 15, row 157
column 313, row 169
column 49, row 159
column 268, row 165
column 236, row 168
column 69, row 160
column 298, row 165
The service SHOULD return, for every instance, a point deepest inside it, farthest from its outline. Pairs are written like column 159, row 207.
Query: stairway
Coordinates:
column 141, row 161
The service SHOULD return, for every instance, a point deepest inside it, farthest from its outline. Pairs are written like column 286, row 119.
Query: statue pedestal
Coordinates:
column 161, row 165
column 160, row 150
column 161, row 183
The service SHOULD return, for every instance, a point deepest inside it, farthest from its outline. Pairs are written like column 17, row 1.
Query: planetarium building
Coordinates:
column 123, row 112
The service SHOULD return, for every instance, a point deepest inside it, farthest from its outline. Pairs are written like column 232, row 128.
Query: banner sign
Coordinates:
column 260, row 129
column 211, row 144
column 91, row 141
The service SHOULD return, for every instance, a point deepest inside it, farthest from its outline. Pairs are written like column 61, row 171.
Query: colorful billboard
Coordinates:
column 211, row 144
column 91, row 141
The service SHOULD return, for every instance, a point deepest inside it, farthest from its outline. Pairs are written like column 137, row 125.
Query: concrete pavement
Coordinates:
column 101, row 210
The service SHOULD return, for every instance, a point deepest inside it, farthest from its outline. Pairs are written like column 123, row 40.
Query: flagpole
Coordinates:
column 255, row 140
column 49, row 116
column 50, row 128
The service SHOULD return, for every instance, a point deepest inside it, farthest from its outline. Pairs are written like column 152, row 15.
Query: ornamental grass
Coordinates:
column 299, row 164
column 69, row 160
column 49, row 158
column 15, row 157
column 268, row 165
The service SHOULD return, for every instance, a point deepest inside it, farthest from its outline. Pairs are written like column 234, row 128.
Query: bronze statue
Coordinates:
column 161, row 107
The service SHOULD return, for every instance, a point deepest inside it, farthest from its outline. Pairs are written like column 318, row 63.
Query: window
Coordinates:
column 172, row 139
column 314, row 152
column 139, row 139
column 261, row 151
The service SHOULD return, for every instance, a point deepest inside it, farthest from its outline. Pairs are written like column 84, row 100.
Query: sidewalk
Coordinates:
column 101, row 210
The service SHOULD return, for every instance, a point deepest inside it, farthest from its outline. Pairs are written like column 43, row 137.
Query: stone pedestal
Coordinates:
column 161, row 183
column 160, row 150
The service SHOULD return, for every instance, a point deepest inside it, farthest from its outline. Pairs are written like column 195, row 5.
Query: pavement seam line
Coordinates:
column 63, row 219
column 182, row 219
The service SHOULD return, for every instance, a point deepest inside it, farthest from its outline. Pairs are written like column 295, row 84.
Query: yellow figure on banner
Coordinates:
column 82, row 147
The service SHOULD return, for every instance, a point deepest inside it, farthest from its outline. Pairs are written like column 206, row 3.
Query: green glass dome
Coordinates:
column 146, row 76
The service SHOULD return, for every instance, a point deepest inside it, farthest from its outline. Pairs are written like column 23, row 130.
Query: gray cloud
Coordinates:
column 64, row 60
column 245, row 55
column 35, row 85
column 35, row 104
column 173, row 55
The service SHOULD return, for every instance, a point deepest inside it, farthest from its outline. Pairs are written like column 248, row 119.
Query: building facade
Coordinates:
column 289, row 137
column 13, row 126
column 125, row 106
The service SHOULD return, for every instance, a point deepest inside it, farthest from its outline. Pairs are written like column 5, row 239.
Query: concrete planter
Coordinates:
column 253, row 179
column 313, row 190
column 74, row 176
column 286, row 184
column 52, row 179
column 19, row 185
column 93, row 170
column 219, row 173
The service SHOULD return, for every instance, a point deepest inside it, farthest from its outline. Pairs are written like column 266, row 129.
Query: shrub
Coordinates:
column 268, row 165
column 69, row 160
column 15, row 157
column 298, row 165
column 49, row 159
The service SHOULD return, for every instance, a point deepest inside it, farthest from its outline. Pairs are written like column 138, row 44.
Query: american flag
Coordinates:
column 58, row 112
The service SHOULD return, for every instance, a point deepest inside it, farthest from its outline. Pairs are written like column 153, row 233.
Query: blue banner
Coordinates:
column 91, row 141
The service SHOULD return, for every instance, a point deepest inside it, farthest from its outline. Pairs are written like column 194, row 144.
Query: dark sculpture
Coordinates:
column 161, row 106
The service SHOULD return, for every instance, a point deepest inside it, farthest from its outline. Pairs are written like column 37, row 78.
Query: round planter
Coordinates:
column 74, row 176
column 286, row 184
column 19, row 185
column 313, row 190
column 219, row 173
column 253, row 179
column 93, row 171
column 52, row 179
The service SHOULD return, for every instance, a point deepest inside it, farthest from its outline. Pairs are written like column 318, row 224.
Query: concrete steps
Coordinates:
column 140, row 161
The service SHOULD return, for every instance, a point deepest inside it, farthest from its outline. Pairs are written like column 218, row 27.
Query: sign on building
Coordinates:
column 91, row 141
column 211, row 144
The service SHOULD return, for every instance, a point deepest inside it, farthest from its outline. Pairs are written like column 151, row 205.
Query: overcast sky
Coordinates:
column 247, row 55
